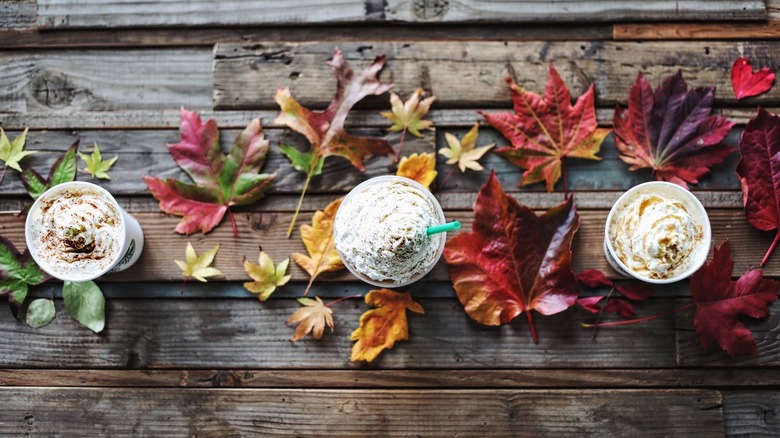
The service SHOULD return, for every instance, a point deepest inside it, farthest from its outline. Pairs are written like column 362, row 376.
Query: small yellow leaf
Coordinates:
column 381, row 327
column 96, row 166
column 197, row 267
column 312, row 317
column 11, row 153
column 267, row 276
column 318, row 238
column 419, row 167
column 409, row 115
column 463, row 151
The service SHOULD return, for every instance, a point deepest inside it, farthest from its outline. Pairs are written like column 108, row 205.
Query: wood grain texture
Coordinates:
column 470, row 74
column 751, row 414
column 16, row 15
column 571, row 10
column 241, row 333
column 564, row 413
column 89, row 80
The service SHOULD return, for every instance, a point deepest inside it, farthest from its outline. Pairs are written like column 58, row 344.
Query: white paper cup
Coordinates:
column 420, row 272
column 131, row 236
column 669, row 191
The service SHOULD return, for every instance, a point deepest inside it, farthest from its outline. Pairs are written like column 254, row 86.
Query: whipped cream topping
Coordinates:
column 380, row 232
column 76, row 233
column 654, row 236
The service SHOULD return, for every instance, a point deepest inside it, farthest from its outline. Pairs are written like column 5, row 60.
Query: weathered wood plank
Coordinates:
column 268, row 230
column 229, row 412
column 396, row 379
column 17, row 14
column 90, row 80
column 241, row 333
column 766, row 332
column 751, row 413
column 470, row 74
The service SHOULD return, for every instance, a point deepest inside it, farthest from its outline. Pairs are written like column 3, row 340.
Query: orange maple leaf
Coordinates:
column 318, row 238
column 419, row 167
column 381, row 327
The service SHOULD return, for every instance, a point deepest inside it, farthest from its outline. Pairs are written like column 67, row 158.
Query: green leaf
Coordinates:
column 13, row 152
column 17, row 271
column 40, row 312
column 96, row 166
column 64, row 169
column 85, row 304
column 33, row 182
column 301, row 161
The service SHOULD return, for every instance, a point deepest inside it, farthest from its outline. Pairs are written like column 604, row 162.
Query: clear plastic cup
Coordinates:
column 670, row 191
column 342, row 220
column 130, row 235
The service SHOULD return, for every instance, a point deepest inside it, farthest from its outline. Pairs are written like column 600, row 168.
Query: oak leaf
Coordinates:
column 670, row 130
column 96, row 165
column 545, row 129
column 319, row 242
column 220, row 181
column 12, row 152
column 513, row 261
column 18, row 271
column 418, row 167
column 719, row 301
column 380, row 328
column 63, row 170
column 311, row 318
column 325, row 129
column 198, row 266
column 746, row 82
column 266, row 276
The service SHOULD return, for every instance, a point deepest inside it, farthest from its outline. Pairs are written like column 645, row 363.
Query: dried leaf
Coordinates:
column 325, row 129
column 318, row 239
column 719, row 301
column 198, row 267
column 594, row 278
column 266, row 276
column 63, row 170
column 11, row 153
column 96, row 166
column 381, row 327
column 18, row 271
column 513, row 261
column 220, row 181
column 419, row 167
column 312, row 318
column 746, row 82
column 670, row 130
column 544, row 130
column 408, row 115
column 463, row 152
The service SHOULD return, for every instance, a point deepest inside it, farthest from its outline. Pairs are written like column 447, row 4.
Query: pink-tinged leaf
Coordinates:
column 591, row 304
column 177, row 198
column 621, row 307
column 635, row 291
column 746, row 82
column 594, row 278
column 671, row 131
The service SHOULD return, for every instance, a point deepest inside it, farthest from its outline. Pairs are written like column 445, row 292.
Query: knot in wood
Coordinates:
column 430, row 9
column 51, row 89
column 226, row 379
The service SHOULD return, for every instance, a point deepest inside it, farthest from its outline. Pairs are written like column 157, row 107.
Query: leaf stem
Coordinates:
column 342, row 299
column 400, row 145
column 601, row 312
column 534, row 336
column 638, row 320
column 771, row 248
column 447, row 176
column 298, row 208
column 232, row 223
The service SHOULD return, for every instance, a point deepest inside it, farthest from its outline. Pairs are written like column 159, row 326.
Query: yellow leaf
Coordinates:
column 12, row 152
column 197, row 267
column 381, row 327
column 313, row 317
column 96, row 165
column 463, row 151
column 318, row 238
column 419, row 167
column 267, row 276
column 409, row 115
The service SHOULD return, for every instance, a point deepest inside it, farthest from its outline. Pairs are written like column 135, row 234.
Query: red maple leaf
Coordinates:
column 746, row 82
column 513, row 261
column 544, row 130
column 670, row 130
column 220, row 181
column 634, row 291
column 759, row 174
column 719, row 301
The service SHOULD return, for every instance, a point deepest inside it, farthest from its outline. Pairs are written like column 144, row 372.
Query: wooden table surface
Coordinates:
column 209, row 359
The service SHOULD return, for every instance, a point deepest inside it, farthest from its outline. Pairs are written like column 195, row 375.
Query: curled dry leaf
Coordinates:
column 381, row 327
column 318, row 239
column 198, row 267
column 634, row 291
column 419, row 167
column 746, row 82
column 266, row 276
column 96, row 165
column 311, row 318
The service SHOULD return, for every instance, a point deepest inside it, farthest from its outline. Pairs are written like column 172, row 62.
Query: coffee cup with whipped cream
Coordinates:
column 76, row 231
column 380, row 231
column 657, row 232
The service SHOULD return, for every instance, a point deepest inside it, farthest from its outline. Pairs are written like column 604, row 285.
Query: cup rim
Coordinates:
column 439, row 211
column 63, row 186
column 681, row 194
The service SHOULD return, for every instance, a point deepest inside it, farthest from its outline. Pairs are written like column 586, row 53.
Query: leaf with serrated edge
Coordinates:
column 380, row 328
column 96, row 165
column 11, row 153
column 311, row 318
column 85, row 303
column 318, row 239
column 197, row 267
column 18, row 271
column 266, row 276
column 418, row 167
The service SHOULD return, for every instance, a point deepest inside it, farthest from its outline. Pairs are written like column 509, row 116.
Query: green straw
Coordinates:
column 443, row 228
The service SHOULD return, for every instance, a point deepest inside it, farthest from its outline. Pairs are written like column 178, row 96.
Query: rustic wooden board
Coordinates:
column 241, row 333
column 231, row 412
column 16, row 15
column 751, row 414
column 90, row 80
column 470, row 74
column 268, row 230
column 396, row 379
